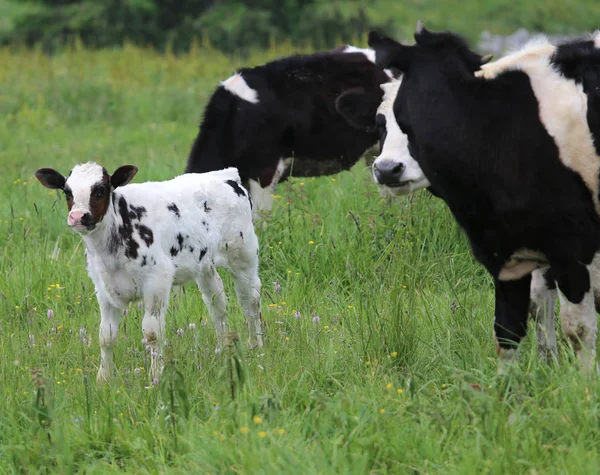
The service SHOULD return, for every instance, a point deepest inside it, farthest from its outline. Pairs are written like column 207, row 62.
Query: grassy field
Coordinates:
column 379, row 355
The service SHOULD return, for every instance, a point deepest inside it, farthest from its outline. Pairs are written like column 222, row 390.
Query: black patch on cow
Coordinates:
column 206, row 208
column 191, row 248
column 145, row 233
column 180, row 241
column 203, row 252
column 136, row 212
column 381, row 125
column 236, row 187
column 174, row 209
column 144, row 261
column 241, row 234
column 126, row 231
column 174, row 251
column 205, row 224
column 250, row 201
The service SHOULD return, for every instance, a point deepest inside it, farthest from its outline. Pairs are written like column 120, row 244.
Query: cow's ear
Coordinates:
column 389, row 54
column 359, row 107
column 50, row 178
column 122, row 175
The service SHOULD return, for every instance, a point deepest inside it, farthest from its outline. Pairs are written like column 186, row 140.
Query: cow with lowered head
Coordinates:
column 142, row 238
column 282, row 118
column 518, row 194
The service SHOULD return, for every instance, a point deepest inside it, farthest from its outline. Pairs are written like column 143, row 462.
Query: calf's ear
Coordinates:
column 389, row 54
column 359, row 108
column 50, row 178
column 123, row 175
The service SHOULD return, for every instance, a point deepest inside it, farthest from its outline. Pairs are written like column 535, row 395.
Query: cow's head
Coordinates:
column 87, row 190
column 443, row 47
column 395, row 170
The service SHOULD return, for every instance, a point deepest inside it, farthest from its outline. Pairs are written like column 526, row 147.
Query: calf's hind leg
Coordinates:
column 210, row 284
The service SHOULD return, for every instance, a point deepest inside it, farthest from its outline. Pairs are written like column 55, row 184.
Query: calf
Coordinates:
column 522, row 200
column 281, row 118
column 142, row 238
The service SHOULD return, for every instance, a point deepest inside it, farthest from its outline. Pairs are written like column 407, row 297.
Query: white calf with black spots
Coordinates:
column 140, row 239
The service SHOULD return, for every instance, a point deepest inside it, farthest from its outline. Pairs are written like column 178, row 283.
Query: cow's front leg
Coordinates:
column 510, row 324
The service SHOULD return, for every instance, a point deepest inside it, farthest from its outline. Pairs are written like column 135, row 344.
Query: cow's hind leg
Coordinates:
column 578, row 313
column 543, row 299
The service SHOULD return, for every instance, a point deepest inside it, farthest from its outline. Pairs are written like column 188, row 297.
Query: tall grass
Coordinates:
column 379, row 355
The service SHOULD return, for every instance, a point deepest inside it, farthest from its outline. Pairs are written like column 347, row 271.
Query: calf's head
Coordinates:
column 87, row 190
column 395, row 170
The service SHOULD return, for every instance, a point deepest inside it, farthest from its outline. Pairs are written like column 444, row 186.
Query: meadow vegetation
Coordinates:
column 379, row 354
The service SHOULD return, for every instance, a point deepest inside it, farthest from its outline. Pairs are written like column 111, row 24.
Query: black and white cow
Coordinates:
column 517, row 182
column 282, row 118
column 141, row 238
column 395, row 170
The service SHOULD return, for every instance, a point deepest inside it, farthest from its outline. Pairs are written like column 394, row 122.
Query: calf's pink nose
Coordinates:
column 75, row 218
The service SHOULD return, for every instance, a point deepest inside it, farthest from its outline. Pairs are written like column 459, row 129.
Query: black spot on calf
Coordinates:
column 136, row 212
column 174, row 251
column 206, row 208
column 202, row 253
column 146, row 234
column 126, row 231
column 241, row 234
column 175, row 210
column 236, row 187
column 144, row 261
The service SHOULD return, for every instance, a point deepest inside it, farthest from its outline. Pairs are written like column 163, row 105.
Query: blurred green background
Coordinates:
column 241, row 25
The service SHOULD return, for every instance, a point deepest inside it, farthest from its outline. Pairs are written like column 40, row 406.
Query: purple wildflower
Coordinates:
column 180, row 332
column 297, row 315
column 155, row 381
column 316, row 319
column 277, row 286
column 192, row 326
column 50, row 314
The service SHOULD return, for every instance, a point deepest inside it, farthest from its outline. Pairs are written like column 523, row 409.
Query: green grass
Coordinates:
column 398, row 375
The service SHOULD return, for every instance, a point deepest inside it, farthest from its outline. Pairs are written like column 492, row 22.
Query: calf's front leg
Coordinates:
column 110, row 317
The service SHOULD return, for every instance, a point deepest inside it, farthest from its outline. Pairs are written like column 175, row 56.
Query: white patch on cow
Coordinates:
column 237, row 85
column 596, row 38
column 522, row 262
column 562, row 105
column 369, row 53
column 262, row 198
column 531, row 51
column 395, row 147
column 80, row 181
